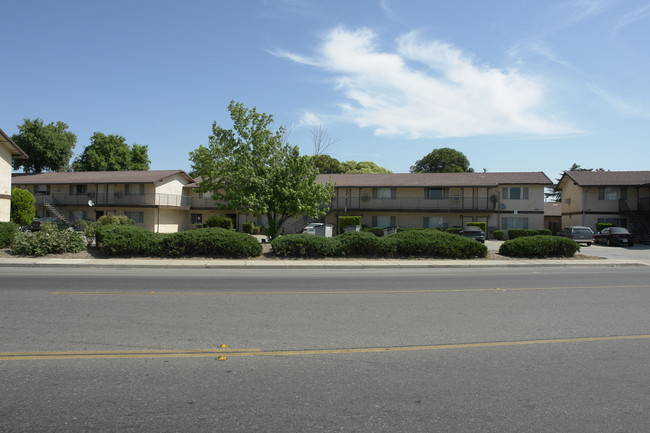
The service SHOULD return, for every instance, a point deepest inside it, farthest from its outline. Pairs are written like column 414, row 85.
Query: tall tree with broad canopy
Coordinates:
column 111, row 153
column 49, row 146
column 251, row 169
column 443, row 160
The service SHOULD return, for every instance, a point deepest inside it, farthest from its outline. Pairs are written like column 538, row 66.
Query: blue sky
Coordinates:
column 523, row 85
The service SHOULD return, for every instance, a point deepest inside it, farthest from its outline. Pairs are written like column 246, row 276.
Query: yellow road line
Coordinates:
column 258, row 352
column 343, row 292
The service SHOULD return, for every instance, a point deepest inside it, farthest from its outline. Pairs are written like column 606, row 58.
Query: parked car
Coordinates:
column 37, row 222
column 580, row 234
column 473, row 232
column 310, row 229
column 614, row 236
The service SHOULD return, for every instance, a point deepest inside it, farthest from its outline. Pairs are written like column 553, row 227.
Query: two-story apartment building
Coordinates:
column 169, row 200
column 8, row 151
column 440, row 200
column 154, row 199
column 618, row 197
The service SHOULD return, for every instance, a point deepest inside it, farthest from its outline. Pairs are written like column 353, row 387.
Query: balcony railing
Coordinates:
column 116, row 199
column 413, row 203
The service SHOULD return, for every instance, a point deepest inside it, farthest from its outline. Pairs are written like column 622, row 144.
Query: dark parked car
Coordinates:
column 473, row 232
column 580, row 234
column 615, row 236
column 36, row 224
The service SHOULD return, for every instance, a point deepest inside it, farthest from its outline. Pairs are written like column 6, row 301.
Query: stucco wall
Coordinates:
column 5, row 183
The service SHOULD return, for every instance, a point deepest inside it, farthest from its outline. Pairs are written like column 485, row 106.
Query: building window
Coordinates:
column 438, row 193
column 134, row 189
column 514, row 223
column 515, row 193
column 196, row 218
column 77, row 189
column 609, row 193
column 383, row 193
column 78, row 215
column 136, row 216
column 436, row 222
column 42, row 189
column 383, row 221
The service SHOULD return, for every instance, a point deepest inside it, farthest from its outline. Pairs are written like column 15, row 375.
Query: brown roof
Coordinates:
column 608, row 178
column 81, row 177
column 552, row 209
column 16, row 152
column 406, row 180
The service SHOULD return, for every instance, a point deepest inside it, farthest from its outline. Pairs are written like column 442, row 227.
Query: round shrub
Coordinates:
column 434, row 243
column 48, row 240
column 220, row 221
column 114, row 219
column 210, row 242
column 540, row 246
column 126, row 240
column 498, row 234
column 304, row 245
column 7, row 233
column 353, row 244
column 377, row 231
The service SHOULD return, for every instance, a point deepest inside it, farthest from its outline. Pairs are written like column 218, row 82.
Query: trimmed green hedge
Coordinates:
column 601, row 226
column 407, row 243
column 48, row 240
column 518, row 233
column 126, row 240
column 480, row 224
column 7, row 233
column 221, row 221
column 377, row 231
column 304, row 245
column 210, row 242
column 498, row 235
column 540, row 246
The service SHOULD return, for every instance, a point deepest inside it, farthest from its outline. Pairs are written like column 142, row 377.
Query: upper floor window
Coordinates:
column 134, row 189
column 515, row 193
column 42, row 189
column 438, row 193
column 383, row 193
column 77, row 189
column 610, row 193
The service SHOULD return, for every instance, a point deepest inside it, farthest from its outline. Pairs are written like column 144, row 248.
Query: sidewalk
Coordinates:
column 308, row 263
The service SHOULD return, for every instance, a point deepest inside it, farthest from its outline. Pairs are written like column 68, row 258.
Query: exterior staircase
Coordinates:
column 48, row 203
column 639, row 223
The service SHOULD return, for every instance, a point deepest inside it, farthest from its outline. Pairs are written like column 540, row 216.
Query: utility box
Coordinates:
column 355, row 228
column 390, row 231
column 325, row 230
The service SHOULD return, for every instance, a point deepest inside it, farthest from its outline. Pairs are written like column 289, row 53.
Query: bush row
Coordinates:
column 540, row 246
column 48, row 240
column 519, row 233
column 406, row 243
column 7, row 233
column 127, row 240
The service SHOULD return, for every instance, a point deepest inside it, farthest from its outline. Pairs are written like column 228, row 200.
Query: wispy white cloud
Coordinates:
column 619, row 104
column 427, row 89
column 636, row 15
column 581, row 10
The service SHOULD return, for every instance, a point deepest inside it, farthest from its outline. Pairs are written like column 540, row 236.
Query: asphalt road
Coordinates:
column 494, row 350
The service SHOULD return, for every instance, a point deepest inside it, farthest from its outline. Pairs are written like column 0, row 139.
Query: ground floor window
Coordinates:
column 514, row 223
column 78, row 215
column 436, row 222
column 137, row 216
column 196, row 218
column 383, row 221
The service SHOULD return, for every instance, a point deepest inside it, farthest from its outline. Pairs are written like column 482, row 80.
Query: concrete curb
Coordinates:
column 305, row 264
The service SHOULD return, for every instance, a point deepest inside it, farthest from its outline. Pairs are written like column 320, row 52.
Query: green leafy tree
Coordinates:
column 363, row 167
column 49, row 146
column 111, row 153
column 325, row 164
column 251, row 169
column 23, row 206
column 443, row 160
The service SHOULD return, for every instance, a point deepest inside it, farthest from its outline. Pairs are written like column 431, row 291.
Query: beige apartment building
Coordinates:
column 8, row 151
